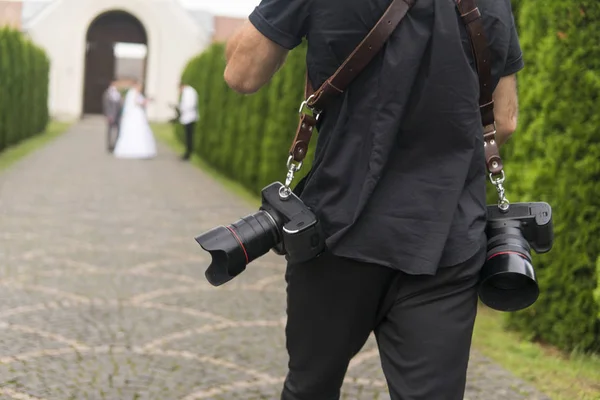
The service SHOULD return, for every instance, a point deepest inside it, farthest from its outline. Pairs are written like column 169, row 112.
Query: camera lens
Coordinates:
column 235, row 246
column 508, row 280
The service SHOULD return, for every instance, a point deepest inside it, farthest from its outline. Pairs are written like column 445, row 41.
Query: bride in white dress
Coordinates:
column 136, row 139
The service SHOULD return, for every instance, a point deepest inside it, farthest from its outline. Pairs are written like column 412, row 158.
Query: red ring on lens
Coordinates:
column 507, row 252
column 241, row 244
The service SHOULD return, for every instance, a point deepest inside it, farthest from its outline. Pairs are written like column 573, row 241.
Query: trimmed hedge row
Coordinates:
column 554, row 156
column 24, row 72
column 247, row 137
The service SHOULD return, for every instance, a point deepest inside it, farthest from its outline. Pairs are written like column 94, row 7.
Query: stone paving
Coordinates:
column 103, row 293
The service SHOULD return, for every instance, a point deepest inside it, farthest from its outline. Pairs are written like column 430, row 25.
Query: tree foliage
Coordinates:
column 246, row 137
column 555, row 157
column 24, row 71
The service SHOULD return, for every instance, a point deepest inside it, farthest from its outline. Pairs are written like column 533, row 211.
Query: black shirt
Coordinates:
column 399, row 173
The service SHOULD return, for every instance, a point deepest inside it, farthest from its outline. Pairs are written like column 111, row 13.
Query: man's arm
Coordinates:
column 506, row 104
column 506, row 108
column 252, row 59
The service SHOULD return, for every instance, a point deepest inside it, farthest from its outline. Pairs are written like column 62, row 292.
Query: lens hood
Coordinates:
column 228, row 257
column 508, row 282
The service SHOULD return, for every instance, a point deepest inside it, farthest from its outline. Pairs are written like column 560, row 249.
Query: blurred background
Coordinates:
column 148, row 41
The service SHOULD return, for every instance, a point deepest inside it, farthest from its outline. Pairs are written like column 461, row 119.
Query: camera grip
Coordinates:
column 304, row 245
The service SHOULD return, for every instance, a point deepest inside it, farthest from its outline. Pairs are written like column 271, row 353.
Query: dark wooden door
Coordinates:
column 99, row 72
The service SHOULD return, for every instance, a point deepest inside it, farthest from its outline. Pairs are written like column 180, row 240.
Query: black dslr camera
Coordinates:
column 282, row 224
column 175, row 119
column 508, row 281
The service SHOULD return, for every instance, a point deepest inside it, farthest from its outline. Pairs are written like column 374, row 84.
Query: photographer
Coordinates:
column 188, row 116
column 398, row 183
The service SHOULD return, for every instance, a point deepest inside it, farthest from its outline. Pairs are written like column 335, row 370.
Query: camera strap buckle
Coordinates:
column 472, row 19
column 306, row 127
column 299, row 148
column 497, row 181
column 292, row 167
column 492, row 152
column 317, row 100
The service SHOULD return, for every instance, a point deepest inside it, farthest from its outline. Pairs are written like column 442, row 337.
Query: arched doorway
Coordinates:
column 107, row 32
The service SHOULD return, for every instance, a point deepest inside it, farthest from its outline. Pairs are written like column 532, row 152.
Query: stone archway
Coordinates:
column 103, row 33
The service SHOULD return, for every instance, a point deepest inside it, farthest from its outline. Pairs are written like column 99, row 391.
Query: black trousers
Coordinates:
column 112, row 127
column 423, row 326
column 189, row 139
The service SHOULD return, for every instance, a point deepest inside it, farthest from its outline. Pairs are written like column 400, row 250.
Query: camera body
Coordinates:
column 175, row 119
column 533, row 219
column 508, row 281
column 301, row 234
column 282, row 224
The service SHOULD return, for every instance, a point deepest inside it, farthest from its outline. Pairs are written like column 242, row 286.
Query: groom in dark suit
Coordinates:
column 112, row 106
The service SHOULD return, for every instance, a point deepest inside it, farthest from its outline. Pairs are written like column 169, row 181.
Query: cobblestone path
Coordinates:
column 103, row 296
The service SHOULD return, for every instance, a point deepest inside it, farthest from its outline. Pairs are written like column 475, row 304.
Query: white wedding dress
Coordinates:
column 136, row 139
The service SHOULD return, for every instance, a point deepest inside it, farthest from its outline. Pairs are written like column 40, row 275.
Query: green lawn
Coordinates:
column 13, row 154
column 560, row 376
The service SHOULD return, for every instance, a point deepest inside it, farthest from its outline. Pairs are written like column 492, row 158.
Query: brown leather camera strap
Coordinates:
column 361, row 56
column 471, row 17
column 366, row 51
column 338, row 82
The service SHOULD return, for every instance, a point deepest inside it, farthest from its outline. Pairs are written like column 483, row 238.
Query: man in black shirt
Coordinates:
column 398, row 182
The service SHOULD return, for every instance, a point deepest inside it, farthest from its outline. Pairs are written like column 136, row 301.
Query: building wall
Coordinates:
column 173, row 38
column 225, row 27
column 10, row 14
column 130, row 68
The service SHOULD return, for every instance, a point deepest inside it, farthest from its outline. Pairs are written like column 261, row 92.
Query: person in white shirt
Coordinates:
column 188, row 109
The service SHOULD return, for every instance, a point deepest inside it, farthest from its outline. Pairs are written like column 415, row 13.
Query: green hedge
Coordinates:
column 516, row 6
column 554, row 157
column 24, row 70
column 247, row 137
